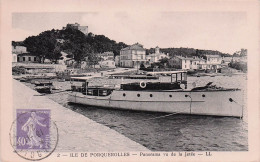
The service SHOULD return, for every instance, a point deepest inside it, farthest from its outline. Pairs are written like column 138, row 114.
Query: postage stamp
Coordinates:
column 33, row 135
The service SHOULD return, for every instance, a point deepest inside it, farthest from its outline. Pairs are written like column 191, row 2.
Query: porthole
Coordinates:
column 138, row 95
column 203, row 95
column 151, row 95
column 170, row 95
column 124, row 94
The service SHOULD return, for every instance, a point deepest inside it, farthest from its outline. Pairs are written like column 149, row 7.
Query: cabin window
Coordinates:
column 138, row 95
column 23, row 58
column 170, row 95
column 29, row 58
column 124, row 94
column 102, row 92
column 34, row 58
column 151, row 95
column 90, row 92
column 203, row 95
column 98, row 92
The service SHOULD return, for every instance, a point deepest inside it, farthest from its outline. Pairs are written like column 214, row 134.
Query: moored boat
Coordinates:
column 172, row 97
column 43, row 89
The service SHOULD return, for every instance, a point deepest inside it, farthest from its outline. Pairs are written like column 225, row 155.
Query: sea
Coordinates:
column 160, row 132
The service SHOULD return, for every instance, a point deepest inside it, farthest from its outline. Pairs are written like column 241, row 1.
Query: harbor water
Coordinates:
column 175, row 132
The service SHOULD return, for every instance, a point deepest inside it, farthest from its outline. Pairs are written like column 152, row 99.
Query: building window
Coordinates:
column 23, row 58
column 29, row 58
column 34, row 58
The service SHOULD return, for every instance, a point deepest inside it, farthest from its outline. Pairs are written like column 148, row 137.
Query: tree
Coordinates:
column 76, row 43
column 44, row 46
column 56, row 54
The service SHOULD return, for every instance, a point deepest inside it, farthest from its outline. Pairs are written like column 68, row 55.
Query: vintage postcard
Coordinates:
column 130, row 80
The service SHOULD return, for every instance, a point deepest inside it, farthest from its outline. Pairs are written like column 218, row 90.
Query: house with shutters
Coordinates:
column 132, row 56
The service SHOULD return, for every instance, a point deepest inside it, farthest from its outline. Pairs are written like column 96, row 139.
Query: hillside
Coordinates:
column 49, row 44
column 188, row 52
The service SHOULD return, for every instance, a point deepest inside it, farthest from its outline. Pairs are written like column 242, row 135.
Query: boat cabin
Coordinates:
column 99, row 91
column 178, row 80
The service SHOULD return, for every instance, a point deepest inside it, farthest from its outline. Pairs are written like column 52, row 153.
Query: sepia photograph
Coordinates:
column 131, row 82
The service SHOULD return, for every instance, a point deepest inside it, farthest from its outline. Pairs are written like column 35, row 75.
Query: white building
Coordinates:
column 16, row 50
column 117, row 60
column 132, row 56
column 212, row 62
column 106, row 56
column 155, row 57
column 107, row 64
column 27, row 58
column 83, row 29
column 187, row 62
column 69, row 62
column 19, row 49
column 14, row 57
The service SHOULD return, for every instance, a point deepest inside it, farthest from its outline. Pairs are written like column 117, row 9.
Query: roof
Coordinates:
column 155, row 54
column 39, row 67
column 189, row 58
column 69, row 59
column 84, row 78
column 106, row 54
column 18, row 47
column 227, row 58
column 135, row 46
column 213, row 56
column 26, row 54
column 166, row 72
column 209, row 64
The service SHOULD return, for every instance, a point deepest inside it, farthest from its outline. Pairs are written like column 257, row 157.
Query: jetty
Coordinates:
column 76, row 132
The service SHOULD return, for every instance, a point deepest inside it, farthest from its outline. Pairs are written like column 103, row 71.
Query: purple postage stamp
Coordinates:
column 33, row 135
column 33, row 129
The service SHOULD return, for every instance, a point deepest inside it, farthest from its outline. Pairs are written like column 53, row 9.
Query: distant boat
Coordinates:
column 132, row 77
column 171, row 97
column 43, row 83
column 43, row 89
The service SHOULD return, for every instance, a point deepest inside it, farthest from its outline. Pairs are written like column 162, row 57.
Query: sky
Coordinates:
column 222, row 31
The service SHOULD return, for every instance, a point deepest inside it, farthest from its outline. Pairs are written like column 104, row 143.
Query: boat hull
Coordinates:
column 216, row 103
